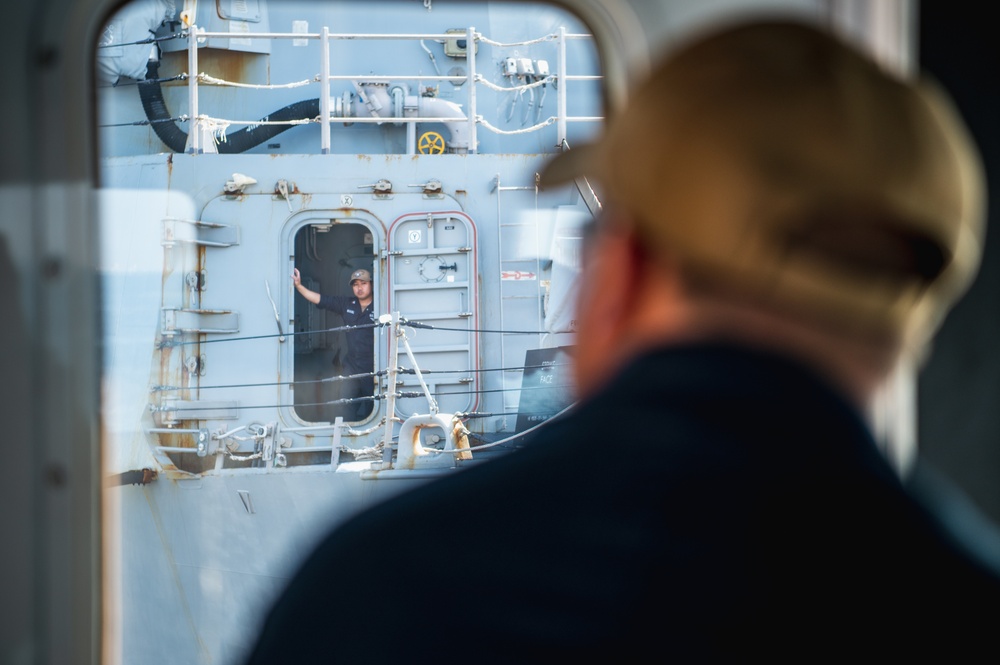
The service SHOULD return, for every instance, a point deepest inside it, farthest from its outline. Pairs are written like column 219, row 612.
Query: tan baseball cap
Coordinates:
column 786, row 165
column 363, row 275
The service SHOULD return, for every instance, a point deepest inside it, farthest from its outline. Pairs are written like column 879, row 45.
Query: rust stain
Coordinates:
column 461, row 438
column 173, row 473
column 178, row 440
column 227, row 65
column 173, row 63
column 201, row 267
column 164, row 379
column 170, row 170
column 416, row 437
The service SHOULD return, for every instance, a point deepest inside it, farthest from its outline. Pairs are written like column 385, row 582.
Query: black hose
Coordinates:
column 156, row 110
column 241, row 140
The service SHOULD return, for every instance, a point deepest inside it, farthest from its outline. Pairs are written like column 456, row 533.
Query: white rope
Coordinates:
column 546, row 38
column 347, row 431
column 545, row 123
column 500, row 88
column 217, row 126
column 215, row 122
column 364, row 454
column 244, row 458
column 211, row 80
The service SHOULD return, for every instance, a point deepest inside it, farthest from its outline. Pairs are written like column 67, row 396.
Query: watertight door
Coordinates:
column 433, row 281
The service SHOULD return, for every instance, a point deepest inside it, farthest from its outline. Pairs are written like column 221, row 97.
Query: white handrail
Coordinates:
column 199, row 121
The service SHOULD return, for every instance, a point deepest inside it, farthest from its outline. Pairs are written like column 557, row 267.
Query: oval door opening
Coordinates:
column 334, row 344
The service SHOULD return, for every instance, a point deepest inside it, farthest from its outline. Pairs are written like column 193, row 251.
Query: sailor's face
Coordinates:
column 362, row 289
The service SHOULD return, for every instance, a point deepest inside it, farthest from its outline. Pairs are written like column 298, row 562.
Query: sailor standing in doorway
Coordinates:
column 357, row 311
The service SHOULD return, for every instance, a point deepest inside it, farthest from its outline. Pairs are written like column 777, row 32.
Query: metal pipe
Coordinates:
column 561, row 96
column 360, row 36
column 503, row 362
column 470, row 59
column 324, row 96
column 432, row 404
column 374, row 104
column 330, row 426
column 390, row 403
column 338, row 426
column 194, row 136
column 313, row 35
column 415, row 119
column 390, row 79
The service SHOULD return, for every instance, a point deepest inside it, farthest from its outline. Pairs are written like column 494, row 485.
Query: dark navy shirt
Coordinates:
column 765, row 521
column 360, row 345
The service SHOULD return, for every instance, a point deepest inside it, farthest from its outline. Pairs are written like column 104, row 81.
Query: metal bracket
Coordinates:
column 381, row 186
column 430, row 187
column 196, row 232
column 195, row 365
column 203, row 441
column 195, row 280
column 200, row 321
column 177, row 410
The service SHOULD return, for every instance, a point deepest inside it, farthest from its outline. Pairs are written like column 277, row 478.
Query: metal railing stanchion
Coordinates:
column 470, row 59
column 324, row 93
column 194, row 134
column 390, row 402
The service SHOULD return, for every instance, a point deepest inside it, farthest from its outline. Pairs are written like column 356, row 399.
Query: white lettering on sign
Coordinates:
column 414, row 236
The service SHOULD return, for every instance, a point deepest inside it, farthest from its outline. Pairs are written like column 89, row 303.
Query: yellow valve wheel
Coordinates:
column 430, row 143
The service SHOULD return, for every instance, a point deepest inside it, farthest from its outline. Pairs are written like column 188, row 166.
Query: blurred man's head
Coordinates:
column 774, row 168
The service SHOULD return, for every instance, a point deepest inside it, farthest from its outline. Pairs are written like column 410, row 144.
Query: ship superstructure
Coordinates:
column 241, row 140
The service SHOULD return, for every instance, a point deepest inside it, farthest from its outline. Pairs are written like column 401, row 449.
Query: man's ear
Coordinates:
column 606, row 303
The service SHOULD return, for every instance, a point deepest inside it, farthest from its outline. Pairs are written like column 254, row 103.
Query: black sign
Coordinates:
column 545, row 387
